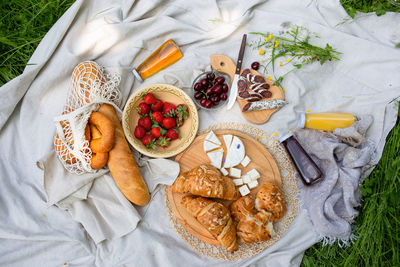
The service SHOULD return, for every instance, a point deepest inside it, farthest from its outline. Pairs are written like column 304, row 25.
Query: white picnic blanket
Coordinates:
column 121, row 34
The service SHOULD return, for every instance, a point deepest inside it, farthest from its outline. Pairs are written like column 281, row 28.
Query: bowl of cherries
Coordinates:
column 211, row 90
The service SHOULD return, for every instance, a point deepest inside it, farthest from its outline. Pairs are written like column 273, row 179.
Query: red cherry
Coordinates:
column 255, row 65
column 225, row 88
column 217, row 89
column 209, row 91
column 209, row 104
column 203, row 102
column 210, row 76
column 198, row 87
column 215, row 99
column 223, row 96
column 198, row 95
column 220, row 80
column 204, row 82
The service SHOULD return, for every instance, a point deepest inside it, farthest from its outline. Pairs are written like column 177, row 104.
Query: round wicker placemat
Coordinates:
column 289, row 189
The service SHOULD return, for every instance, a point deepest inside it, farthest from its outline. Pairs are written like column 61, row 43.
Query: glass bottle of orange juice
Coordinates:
column 167, row 54
column 326, row 121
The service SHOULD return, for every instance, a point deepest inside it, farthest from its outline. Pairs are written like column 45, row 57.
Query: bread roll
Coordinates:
column 122, row 165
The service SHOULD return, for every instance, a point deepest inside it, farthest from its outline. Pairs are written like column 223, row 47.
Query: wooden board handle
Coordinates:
column 223, row 64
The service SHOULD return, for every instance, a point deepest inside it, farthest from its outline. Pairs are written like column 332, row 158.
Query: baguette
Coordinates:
column 123, row 166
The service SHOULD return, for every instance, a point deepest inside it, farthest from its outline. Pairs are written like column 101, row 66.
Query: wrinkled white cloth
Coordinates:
column 342, row 157
column 120, row 35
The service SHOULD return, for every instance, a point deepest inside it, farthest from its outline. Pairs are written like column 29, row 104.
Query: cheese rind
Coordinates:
column 235, row 172
column 245, row 161
column 235, row 153
column 253, row 184
column 244, row 190
column 224, row 171
column 211, row 137
column 207, row 146
column 237, row 182
column 216, row 157
column 227, row 140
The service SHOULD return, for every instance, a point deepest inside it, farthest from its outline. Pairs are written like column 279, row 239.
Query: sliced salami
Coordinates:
column 242, row 85
column 266, row 94
column 245, row 72
column 264, row 104
column 259, row 79
column 244, row 94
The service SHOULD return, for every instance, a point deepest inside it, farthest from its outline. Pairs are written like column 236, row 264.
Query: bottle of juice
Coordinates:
column 167, row 54
column 326, row 121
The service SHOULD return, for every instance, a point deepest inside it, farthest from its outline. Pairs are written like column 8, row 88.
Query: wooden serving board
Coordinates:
column 194, row 155
column 225, row 64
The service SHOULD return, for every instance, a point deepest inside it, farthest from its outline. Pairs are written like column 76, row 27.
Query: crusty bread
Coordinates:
column 215, row 218
column 122, row 165
column 270, row 198
column 206, row 181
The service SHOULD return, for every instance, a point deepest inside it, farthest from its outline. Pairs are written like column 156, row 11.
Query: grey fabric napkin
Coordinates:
column 94, row 199
column 342, row 156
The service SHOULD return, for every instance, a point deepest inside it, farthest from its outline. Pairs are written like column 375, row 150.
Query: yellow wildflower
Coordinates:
column 269, row 78
column 283, row 89
column 271, row 36
column 263, row 61
column 259, row 138
column 275, row 134
column 290, row 131
column 276, row 44
column 287, row 60
column 280, row 63
column 266, row 39
column 308, row 110
column 260, row 51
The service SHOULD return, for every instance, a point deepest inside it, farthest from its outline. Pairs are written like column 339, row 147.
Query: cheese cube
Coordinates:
column 244, row 190
column 254, row 174
column 224, row 171
column 238, row 182
column 235, row 172
column 245, row 161
column 253, row 184
column 246, row 178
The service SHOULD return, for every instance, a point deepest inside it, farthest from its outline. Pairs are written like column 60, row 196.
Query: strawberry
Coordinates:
column 157, row 116
column 172, row 134
column 149, row 141
column 163, row 141
column 145, row 123
column 157, row 106
column 140, row 131
column 157, row 131
column 149, row 99
column 143, row 108
column 169, row 122
column 181, row 114
column 169, row 109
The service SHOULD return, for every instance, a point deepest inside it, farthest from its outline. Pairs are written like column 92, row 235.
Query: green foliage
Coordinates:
column 23, row 23
column 380, row 7
column 293, row 47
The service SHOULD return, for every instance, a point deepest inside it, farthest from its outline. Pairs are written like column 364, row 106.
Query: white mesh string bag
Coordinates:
column 90, row 86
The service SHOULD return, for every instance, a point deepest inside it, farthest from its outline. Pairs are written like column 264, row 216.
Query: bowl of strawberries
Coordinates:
column 160, row 120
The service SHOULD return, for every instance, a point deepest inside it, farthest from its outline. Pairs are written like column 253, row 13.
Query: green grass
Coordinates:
column 23, row 23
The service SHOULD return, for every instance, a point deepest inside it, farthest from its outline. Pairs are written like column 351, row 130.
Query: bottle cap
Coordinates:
column 134, row 71
column 301, row 120
column 284, row 137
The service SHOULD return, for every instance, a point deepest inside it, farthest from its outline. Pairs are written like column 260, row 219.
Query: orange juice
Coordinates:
column 167, row 54
column 326, row 121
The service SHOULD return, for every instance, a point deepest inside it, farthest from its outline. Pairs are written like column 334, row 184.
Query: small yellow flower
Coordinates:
column 290, row 131
column 308, row 110
column 275, row 134
column 283, row 89
column 269, row 78
column 261, row 52
column 259, row 138
column 263, row 61
column 280, row 63
column 266, row 39
column 271, row 36
column 276, row 44
column 287, row 60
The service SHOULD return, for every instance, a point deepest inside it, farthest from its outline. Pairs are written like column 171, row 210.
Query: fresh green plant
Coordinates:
column 292, row 47
column 380, row 7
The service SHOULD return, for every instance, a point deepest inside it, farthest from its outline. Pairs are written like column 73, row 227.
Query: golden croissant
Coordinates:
column 215, row 217
column 270, row 198
column 206, row 181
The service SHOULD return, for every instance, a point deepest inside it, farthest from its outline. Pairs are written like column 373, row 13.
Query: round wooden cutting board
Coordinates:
column 194, row 155
column 225, row 64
